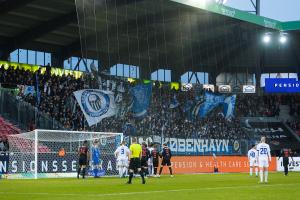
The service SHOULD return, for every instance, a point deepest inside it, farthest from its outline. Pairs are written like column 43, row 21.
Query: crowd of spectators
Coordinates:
column 177, row 119
column 267, row 105
column 165, row 115
column 3, row 144
column 295, row 125
column 56, row 94
column 252, row 105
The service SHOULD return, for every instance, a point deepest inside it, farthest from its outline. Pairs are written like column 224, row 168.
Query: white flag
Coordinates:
column 229, row 105
column 96, row 104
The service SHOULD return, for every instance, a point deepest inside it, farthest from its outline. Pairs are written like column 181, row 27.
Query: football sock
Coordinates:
column 149, row 170
column 256, row 171
column 261, row 174
column 95, row 172
column 130, row 176
column 160, row 170
column 251, row 169
column 83, row 173
column 124, row 171
column 78, row 171
column 120, row 171
column 142, row 175
column 170, row 169
column 155, row 170
column 266, row 176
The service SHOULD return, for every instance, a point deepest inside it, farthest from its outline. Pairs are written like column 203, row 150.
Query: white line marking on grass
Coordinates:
column 144, row 192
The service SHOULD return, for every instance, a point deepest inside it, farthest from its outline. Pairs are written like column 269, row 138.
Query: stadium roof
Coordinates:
column 182, row 35
column 241, row 15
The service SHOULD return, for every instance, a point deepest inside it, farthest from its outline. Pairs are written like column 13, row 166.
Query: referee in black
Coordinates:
column 135, row 161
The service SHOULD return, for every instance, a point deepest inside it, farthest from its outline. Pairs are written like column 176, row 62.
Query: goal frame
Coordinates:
column 36, row 141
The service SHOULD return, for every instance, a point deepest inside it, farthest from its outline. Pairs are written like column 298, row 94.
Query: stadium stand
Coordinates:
column 57, row 101
column 295, row 125
column 6, row 128
column 27, row 145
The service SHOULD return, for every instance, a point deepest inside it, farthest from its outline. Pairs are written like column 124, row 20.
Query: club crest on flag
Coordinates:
column 95, row 103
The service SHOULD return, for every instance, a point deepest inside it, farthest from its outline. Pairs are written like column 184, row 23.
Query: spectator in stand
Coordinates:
column 6, row 144
column 295, row 125
column 2, row 145
column 31, row 126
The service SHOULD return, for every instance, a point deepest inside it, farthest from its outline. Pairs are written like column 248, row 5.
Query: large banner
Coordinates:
column 211, row 101
column 282, row 85
column 96, row 104
column 4, row 157
column 50, row 163
column 141, row 99
column 204, row 164
column 294, row 164
column 189, row 146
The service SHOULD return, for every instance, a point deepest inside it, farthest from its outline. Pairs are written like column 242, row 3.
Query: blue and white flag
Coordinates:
column 199, row 103
column 141, row 99
column 229, row 104
column 38, row 94
column 174, row 102
column 29, row 90
column 211, row 101
column 96, row 104
column 188, row 109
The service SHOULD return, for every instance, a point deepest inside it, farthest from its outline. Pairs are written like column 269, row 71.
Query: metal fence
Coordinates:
column 23, row 113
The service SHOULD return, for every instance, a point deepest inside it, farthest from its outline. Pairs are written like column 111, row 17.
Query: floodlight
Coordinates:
column 266, row 38
column 282, row 38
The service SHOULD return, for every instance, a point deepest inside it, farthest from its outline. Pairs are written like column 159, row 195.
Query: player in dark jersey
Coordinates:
column 144, row 158
column 285, row 154
column 166, row 159
column 155, row 159
column 83, row 153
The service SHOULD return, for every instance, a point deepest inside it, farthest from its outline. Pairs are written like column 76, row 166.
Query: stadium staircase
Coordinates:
column 7, row 128
column 284, row 114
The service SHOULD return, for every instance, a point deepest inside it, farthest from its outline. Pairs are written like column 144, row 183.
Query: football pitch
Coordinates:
column 196, row 186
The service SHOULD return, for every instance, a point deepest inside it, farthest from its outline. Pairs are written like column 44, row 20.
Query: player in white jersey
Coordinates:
column 122, row 154
column 264, row 157
column 253, row 160
column 150, row 161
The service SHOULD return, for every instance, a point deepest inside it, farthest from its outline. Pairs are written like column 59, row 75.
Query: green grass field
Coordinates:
column 198, row 186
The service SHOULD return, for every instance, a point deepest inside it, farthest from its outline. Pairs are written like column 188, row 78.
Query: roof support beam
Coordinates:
column 10, row 5
column 44, row 28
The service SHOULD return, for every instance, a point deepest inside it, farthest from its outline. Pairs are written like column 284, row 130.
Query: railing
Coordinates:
column 23, row 113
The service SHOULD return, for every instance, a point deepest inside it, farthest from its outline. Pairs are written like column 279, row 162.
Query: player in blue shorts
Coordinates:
column 96, row 157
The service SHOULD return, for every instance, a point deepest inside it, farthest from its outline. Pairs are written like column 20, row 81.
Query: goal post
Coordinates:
column 54, row 153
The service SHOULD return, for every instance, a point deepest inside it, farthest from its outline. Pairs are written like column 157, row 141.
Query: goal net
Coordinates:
column 53, row 153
